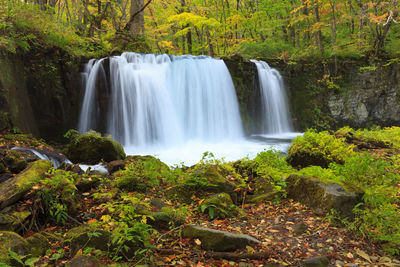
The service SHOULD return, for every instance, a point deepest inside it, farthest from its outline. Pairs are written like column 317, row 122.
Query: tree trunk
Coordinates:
column 137, row 26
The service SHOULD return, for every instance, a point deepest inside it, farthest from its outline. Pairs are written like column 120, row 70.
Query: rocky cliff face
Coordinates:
column 40, row 92
column 327, row 95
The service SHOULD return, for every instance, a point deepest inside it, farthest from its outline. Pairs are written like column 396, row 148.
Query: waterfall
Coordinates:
column 275, row 111
column 161, row 100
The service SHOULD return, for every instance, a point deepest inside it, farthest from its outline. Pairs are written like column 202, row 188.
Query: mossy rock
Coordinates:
column 14, row 161
column 322, row 197
column 14, row 188
column 91, row 148
column 201, row 182
column 218, row 240
column 142, row 173
column 14, row 242
column 13, row 221
column 163, row 218
column 38, row 245
column 318, row 149
column 87, row 236
column 220, row 205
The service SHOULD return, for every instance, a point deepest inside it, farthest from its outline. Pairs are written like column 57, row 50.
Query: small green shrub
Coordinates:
column 318, row 149
column 58, row 195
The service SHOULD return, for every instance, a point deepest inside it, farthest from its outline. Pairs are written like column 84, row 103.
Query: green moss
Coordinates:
column 13, row 221
column 13, row 189
column 38, row 245
column 92, row 148
column 143, row 172
column 319, row 149
column 221, row 206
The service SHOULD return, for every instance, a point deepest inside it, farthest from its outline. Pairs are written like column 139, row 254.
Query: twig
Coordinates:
column 176, row 228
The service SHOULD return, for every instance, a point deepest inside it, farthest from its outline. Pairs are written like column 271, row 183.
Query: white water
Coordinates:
column 56, row 162
column 275, row 109
column 178, row 107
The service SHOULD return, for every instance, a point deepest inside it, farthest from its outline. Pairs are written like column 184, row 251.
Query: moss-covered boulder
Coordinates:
column 201, row 181
column 38, row 245
column 92, row 147
column 142, row 173
column 87, row 236
column 163, row 218
column 218, row 240
column 221, row 206
column 14, row 188
column 318, row 149
column 13, row 221
column 321, row 196
column 14, row 242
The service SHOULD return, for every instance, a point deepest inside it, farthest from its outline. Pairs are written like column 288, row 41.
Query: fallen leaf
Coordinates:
column 363, row 255
column 197, row 241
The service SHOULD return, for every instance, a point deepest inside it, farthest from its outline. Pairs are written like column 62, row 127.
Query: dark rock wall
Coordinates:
column 40, row 92
column 326, row 94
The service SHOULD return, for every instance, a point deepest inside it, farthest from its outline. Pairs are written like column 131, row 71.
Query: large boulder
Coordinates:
column 85, row 236
column 14, row 188
column 38, row 244
column 201, row 181
column 92, row 147
column 217, row 240
column 321, row 196
column 318, row 149
column 14, row 242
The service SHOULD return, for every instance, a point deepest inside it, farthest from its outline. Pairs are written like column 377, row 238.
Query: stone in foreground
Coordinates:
column 320, row 261
column 14, row 188
column 322, row 197
column 217, row 240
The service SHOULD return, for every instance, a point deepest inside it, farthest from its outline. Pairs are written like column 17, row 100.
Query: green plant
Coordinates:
column 57, row 195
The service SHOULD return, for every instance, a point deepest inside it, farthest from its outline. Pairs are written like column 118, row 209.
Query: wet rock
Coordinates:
column 91, row 148
column 115, row 165
column 14, row 188
column 322, row 197
column 216, row 240
column 83, row 261
column 320, row 261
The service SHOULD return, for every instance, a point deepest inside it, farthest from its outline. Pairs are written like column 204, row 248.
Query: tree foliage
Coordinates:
column 254, row 28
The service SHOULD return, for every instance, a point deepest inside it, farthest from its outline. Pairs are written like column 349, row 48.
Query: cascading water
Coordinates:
column 174, row 107
column 158, row 100
column 275, row 110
